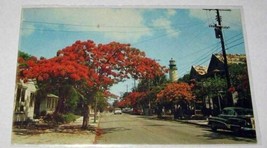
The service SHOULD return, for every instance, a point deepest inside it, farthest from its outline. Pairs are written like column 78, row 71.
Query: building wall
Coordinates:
column 49, row 104
column 24, row 101
column 173, row 75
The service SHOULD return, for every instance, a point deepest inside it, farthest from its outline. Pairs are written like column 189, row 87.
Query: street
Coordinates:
column 134, row 129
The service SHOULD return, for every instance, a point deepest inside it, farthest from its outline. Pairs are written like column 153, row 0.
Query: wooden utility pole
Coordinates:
column 219, row 35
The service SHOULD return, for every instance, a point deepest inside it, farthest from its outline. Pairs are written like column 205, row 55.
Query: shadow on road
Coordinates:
column 113, row 129
column 223, row 134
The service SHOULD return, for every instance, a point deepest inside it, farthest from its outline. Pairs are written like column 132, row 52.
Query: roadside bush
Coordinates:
column 70, row 117
column 59, row 118
column 43, row 113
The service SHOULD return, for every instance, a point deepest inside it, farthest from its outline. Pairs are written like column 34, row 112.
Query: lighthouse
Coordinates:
column 173, row 73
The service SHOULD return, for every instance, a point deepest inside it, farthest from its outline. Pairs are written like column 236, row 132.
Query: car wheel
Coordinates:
column 213, row 127
column 237, row 131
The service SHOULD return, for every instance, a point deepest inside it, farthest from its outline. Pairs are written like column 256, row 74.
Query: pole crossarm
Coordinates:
column 217, row 9
column 223, row 27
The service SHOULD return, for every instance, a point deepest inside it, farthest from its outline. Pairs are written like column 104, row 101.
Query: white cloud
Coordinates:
column 165, row 23
column 171, row 12
column 113, row 23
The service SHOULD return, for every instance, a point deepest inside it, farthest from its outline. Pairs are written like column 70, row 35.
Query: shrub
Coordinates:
column 59, row 118
column 70, row 117
column 43, row 113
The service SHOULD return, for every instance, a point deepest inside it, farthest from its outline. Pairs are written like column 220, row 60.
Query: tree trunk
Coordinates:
column 60, row 106
column 86, row 113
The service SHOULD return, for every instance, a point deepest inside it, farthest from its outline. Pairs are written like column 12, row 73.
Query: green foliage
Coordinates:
column 24, row 55
column 60, row 118
column 185, row 78
column 240, row 81
column 238, row 72
column 70, row 117
column 101, row 101
column 152, row 87
column 72, row 100
column 148, row 84
column 211, row 86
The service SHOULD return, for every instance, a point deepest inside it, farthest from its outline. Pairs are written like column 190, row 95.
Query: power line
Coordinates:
column 51, row 30
column 200, row 62
column 234, row 45
column 162, row 27
column 233, row 36
column 204, row 56
column 228, row 43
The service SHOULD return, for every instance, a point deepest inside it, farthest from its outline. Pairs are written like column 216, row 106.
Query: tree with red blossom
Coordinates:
column 175, row 92
column 91, row 68
column 133, row 98
column 178, row 96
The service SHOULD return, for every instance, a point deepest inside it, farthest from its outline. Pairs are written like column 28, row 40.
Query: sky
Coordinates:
column 181, row 34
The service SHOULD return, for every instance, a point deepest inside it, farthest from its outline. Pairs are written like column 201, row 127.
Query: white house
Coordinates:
column 26, row 104
column 49, row 104
column 24, row 101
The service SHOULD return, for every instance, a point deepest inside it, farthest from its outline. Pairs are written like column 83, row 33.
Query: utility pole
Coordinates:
column 219, row 35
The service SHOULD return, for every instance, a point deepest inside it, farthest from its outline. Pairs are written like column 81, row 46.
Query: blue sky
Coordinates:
column 181, row 34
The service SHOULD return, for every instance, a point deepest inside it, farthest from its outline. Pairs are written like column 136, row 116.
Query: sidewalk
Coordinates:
column 196, row 122
column 79, row 121
column 202, row 122
column 64, row 134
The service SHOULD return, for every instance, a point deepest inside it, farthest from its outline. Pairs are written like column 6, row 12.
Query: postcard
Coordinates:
column 101, row 76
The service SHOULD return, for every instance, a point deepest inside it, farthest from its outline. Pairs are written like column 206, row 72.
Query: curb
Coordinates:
column 97, row 128
column 181, row 121
column 194, row 123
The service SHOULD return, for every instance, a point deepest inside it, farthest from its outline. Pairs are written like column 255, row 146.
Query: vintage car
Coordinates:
column 117, row 111
column 236, row 119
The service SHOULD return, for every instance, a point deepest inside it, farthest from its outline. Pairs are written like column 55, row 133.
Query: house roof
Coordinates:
column 29, row 85
column 201, row 70
column 232, row 58
column 52, row 96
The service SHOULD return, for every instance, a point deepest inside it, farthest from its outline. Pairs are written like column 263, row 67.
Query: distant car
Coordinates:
column 127, row 110
column 117, row 111
column 236, row 119
column 137, row 111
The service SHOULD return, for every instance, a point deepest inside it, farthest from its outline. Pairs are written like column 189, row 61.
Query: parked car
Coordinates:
column 127, row 110
column 137, row 111
column 236, row 119
column 117, row 111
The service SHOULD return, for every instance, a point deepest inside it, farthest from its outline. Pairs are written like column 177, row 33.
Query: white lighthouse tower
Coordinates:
column 173, row 73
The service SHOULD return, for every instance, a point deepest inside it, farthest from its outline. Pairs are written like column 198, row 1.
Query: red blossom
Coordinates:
column 175, row 91
column 99, row 65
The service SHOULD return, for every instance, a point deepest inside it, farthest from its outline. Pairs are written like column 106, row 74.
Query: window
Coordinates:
column 32, row 98
column 21, row 108
column 48, row 102
column 23, row 95
column 18, row 94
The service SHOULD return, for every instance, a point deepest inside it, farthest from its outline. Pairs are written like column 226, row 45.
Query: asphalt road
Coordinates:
column 134, row 129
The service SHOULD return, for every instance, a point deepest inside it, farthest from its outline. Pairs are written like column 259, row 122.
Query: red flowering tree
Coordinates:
column 123, row 103
column 175, row 92
column 91, row 68
column 133, row 98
